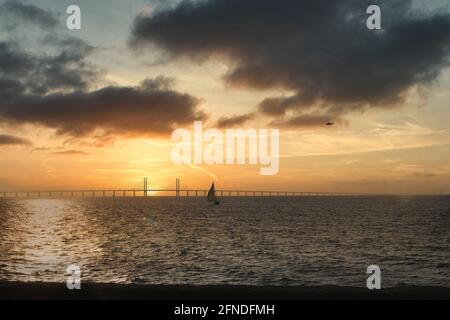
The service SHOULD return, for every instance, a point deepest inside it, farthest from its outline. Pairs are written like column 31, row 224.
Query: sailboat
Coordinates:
column 212, row 195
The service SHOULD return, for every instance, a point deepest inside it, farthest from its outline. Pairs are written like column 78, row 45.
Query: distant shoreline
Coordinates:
column 59, row 291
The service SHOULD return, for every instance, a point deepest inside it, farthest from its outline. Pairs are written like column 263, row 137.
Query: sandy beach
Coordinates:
column 42, row 291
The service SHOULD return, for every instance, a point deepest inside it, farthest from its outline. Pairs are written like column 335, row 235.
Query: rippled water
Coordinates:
column 259, row 241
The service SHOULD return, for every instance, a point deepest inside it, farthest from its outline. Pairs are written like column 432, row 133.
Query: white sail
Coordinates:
column 212, row 195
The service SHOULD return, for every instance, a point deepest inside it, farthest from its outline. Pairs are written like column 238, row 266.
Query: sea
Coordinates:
column 261, row 241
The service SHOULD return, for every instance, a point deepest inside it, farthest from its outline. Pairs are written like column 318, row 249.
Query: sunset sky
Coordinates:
column 95, row 108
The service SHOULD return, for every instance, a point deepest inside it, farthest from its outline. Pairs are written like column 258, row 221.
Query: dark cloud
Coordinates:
column 159, row 83
column 13, row 62
column 320, row 50
column 7, row 140
column 66, row 70
column 42, row 61
column 52, row 87
column 228, row 122
column 14, row 10
column 114, row 110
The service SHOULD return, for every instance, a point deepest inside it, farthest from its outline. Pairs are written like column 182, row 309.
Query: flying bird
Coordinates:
column 330, row 123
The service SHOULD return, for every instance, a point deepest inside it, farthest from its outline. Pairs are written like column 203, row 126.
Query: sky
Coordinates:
column 95, row 108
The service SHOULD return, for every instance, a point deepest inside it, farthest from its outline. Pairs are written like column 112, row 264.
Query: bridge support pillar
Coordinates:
column 177, row 187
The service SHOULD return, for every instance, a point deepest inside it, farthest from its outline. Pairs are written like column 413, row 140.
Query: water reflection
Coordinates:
column 282, row 241
column 40, row 238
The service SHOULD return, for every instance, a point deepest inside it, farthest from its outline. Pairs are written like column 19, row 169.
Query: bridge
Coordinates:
column 146, row 192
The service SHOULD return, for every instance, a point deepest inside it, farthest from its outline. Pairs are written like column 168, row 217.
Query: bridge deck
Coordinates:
column 152, row 192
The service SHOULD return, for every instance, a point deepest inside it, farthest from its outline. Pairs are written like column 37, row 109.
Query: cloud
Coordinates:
column 159, row 83
column 43, row 61
column 320, row 50
column 41, row 149
column 54, row 88
column 41, row 74
column 13, row 10
column 307, row 120
column 125, row 111
column 227, row 122
column 423, row 174
column 69, row 152
column 7, row 140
